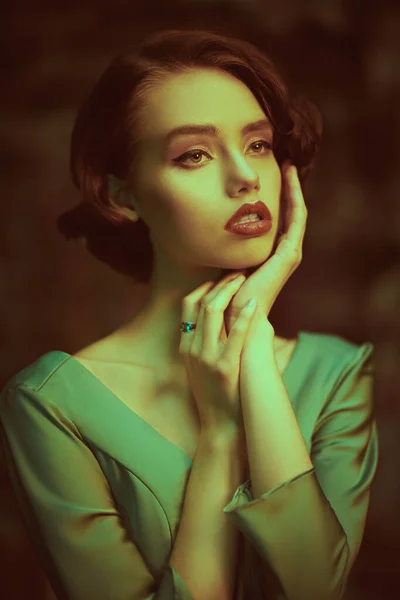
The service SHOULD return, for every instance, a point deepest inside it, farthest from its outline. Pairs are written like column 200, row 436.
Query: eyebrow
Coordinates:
column 209, row 129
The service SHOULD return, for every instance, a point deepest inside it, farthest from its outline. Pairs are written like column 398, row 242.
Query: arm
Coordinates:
column 67, row 508
column 271, row 426
column 205, row 548
column 307, row 523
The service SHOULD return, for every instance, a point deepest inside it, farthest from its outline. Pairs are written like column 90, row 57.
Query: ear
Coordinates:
column 121, row 198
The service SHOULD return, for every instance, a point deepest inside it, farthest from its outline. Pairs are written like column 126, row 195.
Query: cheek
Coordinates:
column 188, row 203
column 169, row 216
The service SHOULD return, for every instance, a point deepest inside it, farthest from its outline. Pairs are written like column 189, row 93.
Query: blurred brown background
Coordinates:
column 56, row 296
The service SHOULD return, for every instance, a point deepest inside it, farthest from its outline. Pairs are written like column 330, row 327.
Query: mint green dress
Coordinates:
column 101, row 492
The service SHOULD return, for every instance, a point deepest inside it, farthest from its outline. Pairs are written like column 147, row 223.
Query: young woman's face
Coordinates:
column 186, row 201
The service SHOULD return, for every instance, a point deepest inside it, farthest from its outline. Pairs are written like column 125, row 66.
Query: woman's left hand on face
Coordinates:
column 266, row 282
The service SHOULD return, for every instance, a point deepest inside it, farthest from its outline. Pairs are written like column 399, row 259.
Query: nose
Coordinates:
column 242, row 174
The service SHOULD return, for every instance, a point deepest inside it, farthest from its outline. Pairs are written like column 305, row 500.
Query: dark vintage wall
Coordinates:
column 55, row 295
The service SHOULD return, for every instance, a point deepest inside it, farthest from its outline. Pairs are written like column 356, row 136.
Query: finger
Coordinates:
column 211, row 318
column 297, row 213
column 204, row 288
column 295, row 192
column 237, row 336
column 200, row 295
column 213, row 292
column 190, row 309
column 189, row 313
column 196, row 341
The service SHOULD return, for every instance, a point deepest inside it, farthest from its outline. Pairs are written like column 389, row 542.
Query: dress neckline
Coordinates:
column 74, row 361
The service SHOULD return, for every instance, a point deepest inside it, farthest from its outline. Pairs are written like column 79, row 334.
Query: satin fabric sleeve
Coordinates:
column 67, row 507
column 308, row 530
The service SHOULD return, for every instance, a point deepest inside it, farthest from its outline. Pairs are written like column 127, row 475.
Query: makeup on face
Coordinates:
column 207, row 131
column 213, row 131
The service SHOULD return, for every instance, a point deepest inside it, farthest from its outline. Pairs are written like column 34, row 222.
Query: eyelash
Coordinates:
column 191, row 153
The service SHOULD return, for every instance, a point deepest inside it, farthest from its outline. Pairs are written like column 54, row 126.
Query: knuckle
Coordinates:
column 294, row 255
column 193, row 353
column 209, row 363
column 185, row 351
column 190, row 351
column 208, row 360
column 210, row 309
column 223, row 368
column 298, row 257
column 240, row 326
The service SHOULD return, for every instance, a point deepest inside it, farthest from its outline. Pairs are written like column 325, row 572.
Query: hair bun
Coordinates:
column 78, row 221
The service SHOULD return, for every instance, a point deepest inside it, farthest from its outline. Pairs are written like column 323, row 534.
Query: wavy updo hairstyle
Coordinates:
column 107, row 129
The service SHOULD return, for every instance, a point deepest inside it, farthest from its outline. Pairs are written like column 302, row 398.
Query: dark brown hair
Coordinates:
column 105, row 134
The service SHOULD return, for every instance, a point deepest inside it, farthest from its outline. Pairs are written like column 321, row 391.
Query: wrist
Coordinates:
column 223, row 439
column 225, row 444
column 260, row 340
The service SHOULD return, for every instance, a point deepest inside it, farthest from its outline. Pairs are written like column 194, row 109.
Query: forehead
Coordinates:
column 199, row 96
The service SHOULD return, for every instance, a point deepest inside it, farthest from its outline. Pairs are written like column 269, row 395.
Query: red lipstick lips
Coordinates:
column 258, row 208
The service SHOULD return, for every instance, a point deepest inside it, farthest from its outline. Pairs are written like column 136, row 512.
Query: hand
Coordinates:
column 213, row 367
column 266, row 282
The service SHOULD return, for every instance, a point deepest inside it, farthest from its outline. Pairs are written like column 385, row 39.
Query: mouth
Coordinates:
column 256, row 211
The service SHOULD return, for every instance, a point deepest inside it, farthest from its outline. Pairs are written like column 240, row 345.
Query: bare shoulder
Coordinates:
column 107, row 350
column 95, row 352
column 104, row 355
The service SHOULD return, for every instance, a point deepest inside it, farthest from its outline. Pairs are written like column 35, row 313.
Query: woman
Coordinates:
column 214, row 460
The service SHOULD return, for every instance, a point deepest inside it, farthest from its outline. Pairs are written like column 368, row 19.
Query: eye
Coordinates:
column 263, row 143
column 197, row 151
column 189, row 155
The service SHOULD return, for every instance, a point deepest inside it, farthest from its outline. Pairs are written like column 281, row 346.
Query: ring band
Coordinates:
column 187, row 326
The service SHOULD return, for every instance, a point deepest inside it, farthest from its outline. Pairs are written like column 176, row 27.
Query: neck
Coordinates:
column 154, row 333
